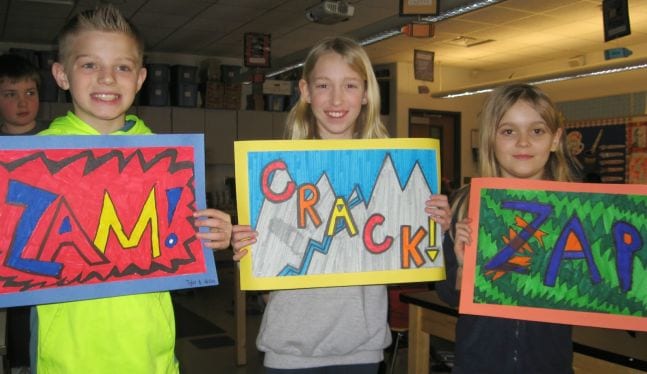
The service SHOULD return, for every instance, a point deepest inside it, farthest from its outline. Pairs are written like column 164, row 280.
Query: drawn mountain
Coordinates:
column 282, row 242
column 286, row 250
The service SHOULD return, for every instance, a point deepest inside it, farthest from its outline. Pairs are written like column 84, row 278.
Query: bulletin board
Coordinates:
column 610, row 150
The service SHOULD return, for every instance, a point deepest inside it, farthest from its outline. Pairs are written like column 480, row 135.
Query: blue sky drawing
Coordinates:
column 345, row 169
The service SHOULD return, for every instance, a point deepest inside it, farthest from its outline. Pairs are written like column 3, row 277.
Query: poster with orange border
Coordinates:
column 338, row 212
column 570, row 253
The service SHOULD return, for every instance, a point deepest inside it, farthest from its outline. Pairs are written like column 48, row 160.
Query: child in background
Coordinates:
column 335, row 329
column 522, row 136
column 100, row 62
column 19, row 82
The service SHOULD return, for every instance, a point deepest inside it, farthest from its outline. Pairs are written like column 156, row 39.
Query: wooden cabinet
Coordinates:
column 278, row 124
column 254, row 125
column 219, row 136
column 187, row 120
column 157, row 118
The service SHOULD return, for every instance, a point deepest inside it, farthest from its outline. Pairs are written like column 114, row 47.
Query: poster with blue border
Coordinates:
column 97, row 216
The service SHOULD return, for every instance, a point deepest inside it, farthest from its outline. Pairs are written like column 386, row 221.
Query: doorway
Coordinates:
column 446, row 127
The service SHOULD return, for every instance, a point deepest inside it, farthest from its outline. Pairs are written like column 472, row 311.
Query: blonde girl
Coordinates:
column 334, row 329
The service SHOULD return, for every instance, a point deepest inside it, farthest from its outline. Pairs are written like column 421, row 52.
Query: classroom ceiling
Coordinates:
column 550, row 35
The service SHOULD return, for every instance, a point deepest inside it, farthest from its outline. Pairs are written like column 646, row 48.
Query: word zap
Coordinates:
column 563, row 252
column 332, row 213
column 98, row 221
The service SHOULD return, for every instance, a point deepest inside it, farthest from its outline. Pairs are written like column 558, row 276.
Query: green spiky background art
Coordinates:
column 573, row 289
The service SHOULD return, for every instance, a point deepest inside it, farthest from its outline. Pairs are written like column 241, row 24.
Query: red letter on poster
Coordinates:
column 374, row 220
column 265, row 183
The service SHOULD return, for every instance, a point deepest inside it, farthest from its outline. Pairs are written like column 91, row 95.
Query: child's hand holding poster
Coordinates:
column 334, row 213
column 570, row 253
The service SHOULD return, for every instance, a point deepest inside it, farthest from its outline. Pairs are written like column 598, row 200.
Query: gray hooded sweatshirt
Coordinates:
column 325, row 326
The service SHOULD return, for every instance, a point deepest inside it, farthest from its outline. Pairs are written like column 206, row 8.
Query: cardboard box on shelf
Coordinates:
column 210, row 69
column 277, row 87
column 232, row 96
column 218, row 95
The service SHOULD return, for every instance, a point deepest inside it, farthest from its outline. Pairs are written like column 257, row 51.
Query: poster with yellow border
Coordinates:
column 338, row 212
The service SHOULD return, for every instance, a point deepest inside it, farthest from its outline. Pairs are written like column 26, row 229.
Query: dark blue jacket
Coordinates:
column 503, row 346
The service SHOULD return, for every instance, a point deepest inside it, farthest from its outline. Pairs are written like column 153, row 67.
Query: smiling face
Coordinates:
column 523, row 142
column 18, row 105
column 336, row 94
column 103, row 72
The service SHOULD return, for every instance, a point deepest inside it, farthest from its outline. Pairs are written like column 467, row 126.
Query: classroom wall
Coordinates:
column 621, row 94
column 613, row 95
column 409, row 98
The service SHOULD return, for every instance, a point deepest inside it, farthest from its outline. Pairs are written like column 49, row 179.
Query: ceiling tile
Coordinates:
column 157, row 19
column 494, row 15
column 526, row 34
column 532, row 6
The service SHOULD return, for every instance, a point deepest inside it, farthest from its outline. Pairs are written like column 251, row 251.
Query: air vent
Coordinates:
column 467, row 41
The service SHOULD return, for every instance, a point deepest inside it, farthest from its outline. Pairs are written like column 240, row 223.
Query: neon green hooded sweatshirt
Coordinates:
column 132, row 334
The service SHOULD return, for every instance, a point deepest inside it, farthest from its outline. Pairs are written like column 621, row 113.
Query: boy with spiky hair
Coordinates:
column 101, row 64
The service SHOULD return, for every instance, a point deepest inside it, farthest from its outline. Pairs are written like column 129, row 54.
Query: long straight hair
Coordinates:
column 301, row 122
column 559, row 164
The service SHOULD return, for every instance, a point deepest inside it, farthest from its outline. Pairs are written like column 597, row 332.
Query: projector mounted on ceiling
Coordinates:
column 330, row 12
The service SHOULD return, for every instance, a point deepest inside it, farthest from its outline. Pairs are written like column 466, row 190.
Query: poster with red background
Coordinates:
column 86, row 217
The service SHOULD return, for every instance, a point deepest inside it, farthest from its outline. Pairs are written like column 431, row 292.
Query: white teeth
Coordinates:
column 106, row 97
column 336, row 114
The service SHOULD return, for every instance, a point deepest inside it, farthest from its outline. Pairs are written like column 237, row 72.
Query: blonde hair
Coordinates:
column 498, row 103
column 106, row 18
column 301, row 121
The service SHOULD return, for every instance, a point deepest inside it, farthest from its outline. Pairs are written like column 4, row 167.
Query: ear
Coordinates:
column 141, row 77
column 364, row 98
column 303, row 89
column 58, row 71
column 556, row 139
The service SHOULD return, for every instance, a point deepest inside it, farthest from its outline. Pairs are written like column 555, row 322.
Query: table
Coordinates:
column 595, row 350
column 428, row 315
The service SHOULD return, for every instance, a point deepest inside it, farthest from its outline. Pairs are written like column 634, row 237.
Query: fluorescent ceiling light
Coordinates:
column 284, row 69
column 55, row 2
column 393, row 32
column 545, row 80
